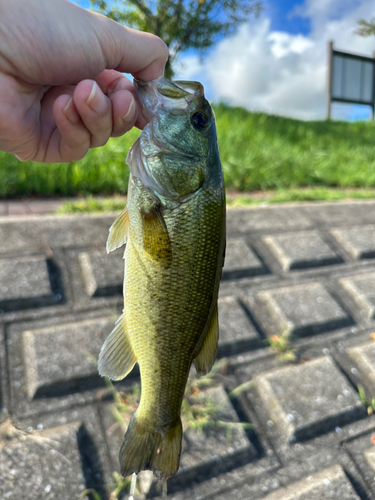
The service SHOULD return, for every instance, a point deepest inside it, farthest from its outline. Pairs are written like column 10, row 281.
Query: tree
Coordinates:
column 366, row 28
column 182, row 24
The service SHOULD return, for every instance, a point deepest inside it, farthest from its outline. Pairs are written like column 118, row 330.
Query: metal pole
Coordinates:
column 329, row 79
column 373, row 88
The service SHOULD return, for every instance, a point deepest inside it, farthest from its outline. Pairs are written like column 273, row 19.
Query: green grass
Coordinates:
column 115, row 204
column 258, row 151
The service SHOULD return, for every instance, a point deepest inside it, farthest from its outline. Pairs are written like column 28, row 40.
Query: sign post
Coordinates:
column 351, row 79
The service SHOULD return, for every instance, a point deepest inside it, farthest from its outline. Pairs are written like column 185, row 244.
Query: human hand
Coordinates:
column 62, row 90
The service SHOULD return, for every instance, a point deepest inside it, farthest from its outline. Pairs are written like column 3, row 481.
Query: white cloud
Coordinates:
column 277, row 71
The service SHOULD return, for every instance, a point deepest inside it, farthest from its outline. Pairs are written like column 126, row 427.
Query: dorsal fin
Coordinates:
column 119, row 231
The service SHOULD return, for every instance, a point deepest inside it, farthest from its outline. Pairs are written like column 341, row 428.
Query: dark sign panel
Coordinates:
column 351, row 78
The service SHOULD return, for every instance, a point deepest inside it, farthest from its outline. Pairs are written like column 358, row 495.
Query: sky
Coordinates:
column 278, row 62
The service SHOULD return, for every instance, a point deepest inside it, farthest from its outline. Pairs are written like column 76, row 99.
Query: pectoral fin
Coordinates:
column 207, row 355
column 119, row 231
column 156, row 242
column 117, row 358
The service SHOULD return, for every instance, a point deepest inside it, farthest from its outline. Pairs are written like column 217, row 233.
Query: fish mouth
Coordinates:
column 163, row 94
column 174, row 97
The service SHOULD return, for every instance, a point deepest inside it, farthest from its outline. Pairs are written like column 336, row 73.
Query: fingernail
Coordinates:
column 129, row 115
column 70, row 112
column 96, row 100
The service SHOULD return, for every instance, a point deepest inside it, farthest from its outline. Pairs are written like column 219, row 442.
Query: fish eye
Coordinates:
column 199, row 120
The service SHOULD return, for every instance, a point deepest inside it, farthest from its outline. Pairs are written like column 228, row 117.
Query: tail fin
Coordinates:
column 145, row 448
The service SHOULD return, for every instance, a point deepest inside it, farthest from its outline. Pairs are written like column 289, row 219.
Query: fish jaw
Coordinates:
column 164, row 94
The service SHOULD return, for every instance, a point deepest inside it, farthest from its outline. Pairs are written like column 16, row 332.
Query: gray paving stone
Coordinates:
column 304, row 309
column 241, row 220
column 358, row 242
column 24, row 282
column 240, row 260
column 364, row 357
column 62, row 358
column 361, row 292
column 301, row 249
column 362, row 451
column 102, row 274
column 71, row 231
column 237, row 333
column 3, row 375
column 96, row 278
column 45, row 464
column 370, row 457
column 329, row 484
column 331, row 214
column 213, row 450
column 308, row 399
column 329, row 428
column 74, row 380
column 3, row 208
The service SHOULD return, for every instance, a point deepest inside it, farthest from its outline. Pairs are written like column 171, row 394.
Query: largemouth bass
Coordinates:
column 174, row 230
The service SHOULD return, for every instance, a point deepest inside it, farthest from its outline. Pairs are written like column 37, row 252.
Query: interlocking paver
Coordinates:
column 361, row 291
column 221, row 446
column 24, row 280
column 45, row 464
column 102, row 274
column 304, row 309
column 306, row 271
column 309, row 398
column 330, row 484
column 301, row 249
column 364, row 356
column 237, row 333
column 240, row 260
column 358, row 242
column 60, row 358
column 370, row 457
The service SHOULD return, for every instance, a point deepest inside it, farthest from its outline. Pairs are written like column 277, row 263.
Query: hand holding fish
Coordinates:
column 62, row 90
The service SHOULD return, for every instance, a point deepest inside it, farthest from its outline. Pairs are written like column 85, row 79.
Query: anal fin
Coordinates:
column 207, row 355
column 119, row 231
column 117, row 358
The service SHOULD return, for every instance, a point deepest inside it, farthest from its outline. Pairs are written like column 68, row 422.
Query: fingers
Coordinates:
column 125, row 111
column 71, row 140
column 89, row 117
column 95, row 111
column 130, row 51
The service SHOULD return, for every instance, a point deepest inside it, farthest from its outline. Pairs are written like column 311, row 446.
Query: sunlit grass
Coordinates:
column 258, row 152
column 115, row 204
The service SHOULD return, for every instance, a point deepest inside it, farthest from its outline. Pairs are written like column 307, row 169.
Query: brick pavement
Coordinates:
column 305, row 270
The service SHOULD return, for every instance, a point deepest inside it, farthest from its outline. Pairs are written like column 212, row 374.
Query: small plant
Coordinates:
column 119, row 485
column 369, row 403
column 282, row 345
column 197, row 412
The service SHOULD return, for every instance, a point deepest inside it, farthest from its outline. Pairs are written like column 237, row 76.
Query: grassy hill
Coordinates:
column 258, row 151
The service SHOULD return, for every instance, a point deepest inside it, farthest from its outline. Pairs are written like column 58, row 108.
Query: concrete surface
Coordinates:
column 306, row 270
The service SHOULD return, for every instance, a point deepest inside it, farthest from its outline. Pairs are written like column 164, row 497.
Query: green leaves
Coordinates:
column 366, row 28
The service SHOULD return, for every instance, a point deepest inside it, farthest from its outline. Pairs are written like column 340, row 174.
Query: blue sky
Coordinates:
column 277, row 62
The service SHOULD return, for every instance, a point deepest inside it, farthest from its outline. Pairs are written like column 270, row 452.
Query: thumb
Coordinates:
column 130, row 51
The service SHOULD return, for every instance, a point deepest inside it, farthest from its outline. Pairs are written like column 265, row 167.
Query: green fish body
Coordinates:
column 174, row 229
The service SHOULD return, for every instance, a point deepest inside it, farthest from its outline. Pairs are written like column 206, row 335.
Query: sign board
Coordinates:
column 351, row 78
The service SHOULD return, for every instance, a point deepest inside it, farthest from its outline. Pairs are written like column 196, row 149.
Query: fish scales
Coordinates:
column 174, row 225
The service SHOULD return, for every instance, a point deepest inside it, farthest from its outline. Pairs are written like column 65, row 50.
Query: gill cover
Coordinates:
column 172, row 163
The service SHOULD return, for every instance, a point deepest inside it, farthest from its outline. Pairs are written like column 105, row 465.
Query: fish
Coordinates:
column 174, row 229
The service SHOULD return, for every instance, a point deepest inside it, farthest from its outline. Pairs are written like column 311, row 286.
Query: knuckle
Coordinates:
column 97, row 142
